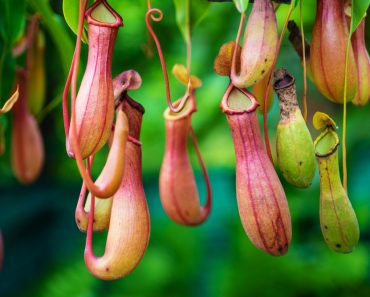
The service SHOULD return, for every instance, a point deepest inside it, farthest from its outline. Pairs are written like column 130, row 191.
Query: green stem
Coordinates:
column 4, row 51
column 265, row 99
column 344, row 133
column 2, row 59
column 57, row 32
column 188, row 38
column 304, row 63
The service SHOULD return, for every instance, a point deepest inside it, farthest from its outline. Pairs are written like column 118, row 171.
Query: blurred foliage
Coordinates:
column 43, row 247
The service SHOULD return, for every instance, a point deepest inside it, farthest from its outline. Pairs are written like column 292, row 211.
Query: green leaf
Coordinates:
column 12, row 20
column 71, row 10
column 359, row 8
column 241, row 5
column 189, row 14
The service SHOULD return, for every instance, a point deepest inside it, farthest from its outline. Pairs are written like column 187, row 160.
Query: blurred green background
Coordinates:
column 44, row 248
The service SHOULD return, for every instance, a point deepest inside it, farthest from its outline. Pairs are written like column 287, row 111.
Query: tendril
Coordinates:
column 33, row 27
column 265, row 99
column 150, row 16
column 90, row 226
column 208, row 203
column 72, row 75
column 304, row 64
column 237, row 41
column 344, row 132
column 81, row 199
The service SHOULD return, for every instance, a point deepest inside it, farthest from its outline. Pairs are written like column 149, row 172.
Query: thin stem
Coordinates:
column 237, row 41
column 73, row 70
column 344, row 147
column 31, row 35
column 188, row 38
column 5, row 49
column 208, row 203
column 304, row 63
column 148, row 47
column 184, row 99
column 82, row 196
column 50, row 107
column 2, row 60
column 65, row 97
column 90, row 223
column 265, row 99
column 77, row 54
column 90, row 227
column 344, row 133
column 56, row 30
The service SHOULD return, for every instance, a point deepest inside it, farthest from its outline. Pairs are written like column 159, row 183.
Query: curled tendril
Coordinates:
column 150, row 16
column 159, row 13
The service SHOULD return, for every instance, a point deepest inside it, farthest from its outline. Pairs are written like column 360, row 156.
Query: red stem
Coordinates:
column 72, row 75
column 77, row 54
column 265, row 126
column 65, row 99
column 81, row 198
column 208, row 203
column 238, row 36
column 88, row 246
column 90, row 226
column 184, row 99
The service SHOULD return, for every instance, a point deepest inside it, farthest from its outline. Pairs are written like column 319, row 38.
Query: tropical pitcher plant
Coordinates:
column 99, row 112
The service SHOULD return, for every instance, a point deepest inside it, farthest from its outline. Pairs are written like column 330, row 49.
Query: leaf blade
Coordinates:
column 71, row 15
column 359, row 8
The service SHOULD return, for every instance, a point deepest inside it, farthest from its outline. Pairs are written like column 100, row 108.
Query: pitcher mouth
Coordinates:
column 238, row 101
column 283, row 79
column 326, row 143
column 189, row 108
column 102, row 15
